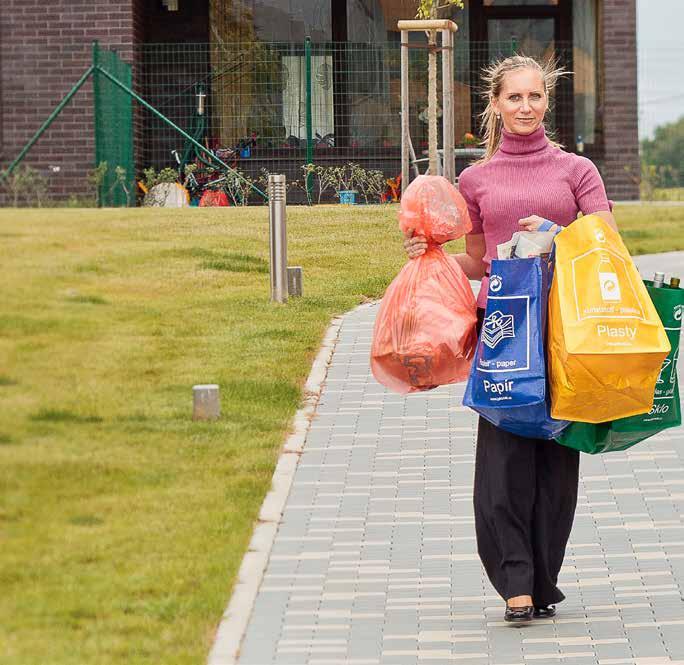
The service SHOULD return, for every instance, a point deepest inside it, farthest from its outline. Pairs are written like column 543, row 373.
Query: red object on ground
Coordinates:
column 393, row 192
column 425, row 331
column 213, row 198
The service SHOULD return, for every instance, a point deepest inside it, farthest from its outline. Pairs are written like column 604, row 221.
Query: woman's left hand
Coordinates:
column 531, row 223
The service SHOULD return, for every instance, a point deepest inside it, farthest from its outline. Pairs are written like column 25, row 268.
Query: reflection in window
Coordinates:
column 366, row 22
column 294, row 95
column 271, row 20
column 394, row 11
column 584, row 67
column 518, row 3
column 531, row 36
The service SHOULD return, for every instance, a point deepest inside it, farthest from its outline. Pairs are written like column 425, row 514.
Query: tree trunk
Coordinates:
column 432, row 103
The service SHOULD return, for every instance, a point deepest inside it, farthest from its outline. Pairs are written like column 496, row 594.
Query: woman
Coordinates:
column 525, row 490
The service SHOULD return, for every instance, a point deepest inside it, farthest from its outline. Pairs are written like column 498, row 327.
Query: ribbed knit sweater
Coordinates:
column 528, row 176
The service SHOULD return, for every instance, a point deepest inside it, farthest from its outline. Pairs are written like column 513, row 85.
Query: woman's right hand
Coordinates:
column 415, row 246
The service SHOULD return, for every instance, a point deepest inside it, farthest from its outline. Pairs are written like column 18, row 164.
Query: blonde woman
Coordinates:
column 525, row 490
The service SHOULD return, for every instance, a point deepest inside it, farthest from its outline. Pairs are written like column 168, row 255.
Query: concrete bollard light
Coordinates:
column 205, row 402
column 277, row 214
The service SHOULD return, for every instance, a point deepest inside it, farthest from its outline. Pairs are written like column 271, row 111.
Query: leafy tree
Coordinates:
column 430, row 8
column 665, row 152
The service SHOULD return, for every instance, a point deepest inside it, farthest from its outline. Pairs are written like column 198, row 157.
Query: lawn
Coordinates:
column 122, row 521
column 663, row 194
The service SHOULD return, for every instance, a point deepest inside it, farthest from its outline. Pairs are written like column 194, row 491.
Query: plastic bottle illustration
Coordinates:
column 608, row 280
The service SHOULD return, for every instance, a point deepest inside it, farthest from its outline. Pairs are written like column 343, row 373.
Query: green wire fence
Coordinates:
column 113, row 120
column 275, row 107
column 235, row 112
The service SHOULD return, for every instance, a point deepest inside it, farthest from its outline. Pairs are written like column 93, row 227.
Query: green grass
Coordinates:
column 663, row 194
column 648, row 229
column 122, row 521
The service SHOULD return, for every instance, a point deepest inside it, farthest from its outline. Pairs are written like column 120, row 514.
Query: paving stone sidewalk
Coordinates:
column 375, row 561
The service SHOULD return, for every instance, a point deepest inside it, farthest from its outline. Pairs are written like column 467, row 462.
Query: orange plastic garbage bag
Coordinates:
column 425, row 331
column 434, row 208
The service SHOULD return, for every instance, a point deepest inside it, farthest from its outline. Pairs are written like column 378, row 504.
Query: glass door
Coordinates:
column 538, row 28
column 531, row 36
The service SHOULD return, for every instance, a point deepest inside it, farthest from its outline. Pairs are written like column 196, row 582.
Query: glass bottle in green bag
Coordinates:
column 666, row 411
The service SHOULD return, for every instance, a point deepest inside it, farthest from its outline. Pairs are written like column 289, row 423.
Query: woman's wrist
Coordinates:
column 473, row 268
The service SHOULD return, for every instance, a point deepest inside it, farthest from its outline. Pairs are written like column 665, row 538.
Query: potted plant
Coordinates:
column 372, row 184
column 348, row 177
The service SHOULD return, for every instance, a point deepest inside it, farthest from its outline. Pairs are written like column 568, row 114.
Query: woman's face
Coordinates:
column 522, row 101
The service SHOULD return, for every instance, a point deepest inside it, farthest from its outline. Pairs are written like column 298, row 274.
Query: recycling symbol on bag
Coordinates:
column 495, row 283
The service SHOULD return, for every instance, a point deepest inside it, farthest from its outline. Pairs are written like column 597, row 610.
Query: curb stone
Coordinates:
column 233, row 625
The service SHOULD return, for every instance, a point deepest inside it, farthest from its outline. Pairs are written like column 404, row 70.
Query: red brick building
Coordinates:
column 46, row 47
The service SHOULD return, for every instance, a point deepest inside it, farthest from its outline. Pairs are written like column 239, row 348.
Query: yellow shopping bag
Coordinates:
column 606, row 343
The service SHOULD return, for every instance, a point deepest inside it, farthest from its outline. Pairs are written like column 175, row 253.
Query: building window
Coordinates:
column 518, row 3
column 271, row 20
column 585, row 65
column 294, row 95
column 532, row 36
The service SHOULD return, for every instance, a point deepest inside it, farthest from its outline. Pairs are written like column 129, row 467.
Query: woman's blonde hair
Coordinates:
column 493, row 77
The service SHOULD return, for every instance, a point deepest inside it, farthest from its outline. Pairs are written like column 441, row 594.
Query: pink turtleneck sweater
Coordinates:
column 528, row 176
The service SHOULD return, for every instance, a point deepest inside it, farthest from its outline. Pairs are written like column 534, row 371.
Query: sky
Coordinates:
column 660, row 43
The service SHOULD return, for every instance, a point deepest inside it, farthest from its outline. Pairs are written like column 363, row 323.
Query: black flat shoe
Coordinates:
column 544, row 611
column 519, row 614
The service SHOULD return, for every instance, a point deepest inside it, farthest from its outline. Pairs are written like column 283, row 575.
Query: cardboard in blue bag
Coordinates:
column 507, row 382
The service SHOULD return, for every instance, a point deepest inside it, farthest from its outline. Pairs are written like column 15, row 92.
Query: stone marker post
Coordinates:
column 205, row 402
column 294, row 280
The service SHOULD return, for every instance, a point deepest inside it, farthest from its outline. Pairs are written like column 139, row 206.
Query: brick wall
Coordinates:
column 44, row 49
column 620, row 116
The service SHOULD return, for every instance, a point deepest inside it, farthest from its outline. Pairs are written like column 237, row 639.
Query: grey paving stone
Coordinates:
column 392, row 553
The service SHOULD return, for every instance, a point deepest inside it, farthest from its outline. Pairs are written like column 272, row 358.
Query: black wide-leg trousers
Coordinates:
column 524, row 496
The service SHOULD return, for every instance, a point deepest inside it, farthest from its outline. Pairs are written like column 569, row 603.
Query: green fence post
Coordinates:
column 113, row 129
column 131, row 93
column 309, row 118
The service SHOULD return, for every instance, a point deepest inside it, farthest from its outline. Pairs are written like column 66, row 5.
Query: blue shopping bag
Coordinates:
column 507, row 382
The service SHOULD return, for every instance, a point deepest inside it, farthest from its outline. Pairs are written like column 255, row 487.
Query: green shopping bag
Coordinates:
column 666, row 411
